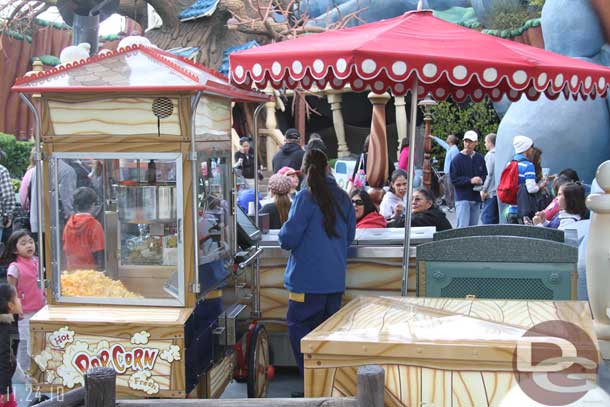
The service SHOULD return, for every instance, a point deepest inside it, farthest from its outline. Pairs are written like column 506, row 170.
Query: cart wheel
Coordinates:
column 258, row 363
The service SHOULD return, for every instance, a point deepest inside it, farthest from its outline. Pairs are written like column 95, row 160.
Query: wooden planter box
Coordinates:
column 440, row 352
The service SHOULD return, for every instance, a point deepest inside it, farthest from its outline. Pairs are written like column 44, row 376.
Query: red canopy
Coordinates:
column 448, row 60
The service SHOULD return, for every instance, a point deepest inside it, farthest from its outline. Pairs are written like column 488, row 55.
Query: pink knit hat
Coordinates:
column 279, row 184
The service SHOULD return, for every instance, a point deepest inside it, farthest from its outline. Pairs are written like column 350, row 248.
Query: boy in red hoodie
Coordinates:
column 83, row 235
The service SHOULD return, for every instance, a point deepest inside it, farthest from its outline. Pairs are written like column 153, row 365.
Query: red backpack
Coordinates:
column 509, row 184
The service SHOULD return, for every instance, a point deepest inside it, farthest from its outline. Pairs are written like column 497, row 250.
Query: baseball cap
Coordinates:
column 292, row 134
column 288, row 171
column 522, row 144
column 471, row 135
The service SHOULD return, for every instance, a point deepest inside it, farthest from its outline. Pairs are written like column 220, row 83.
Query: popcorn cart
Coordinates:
column 141, row 231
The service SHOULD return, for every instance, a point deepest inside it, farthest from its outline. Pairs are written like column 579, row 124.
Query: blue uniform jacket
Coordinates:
column 317, row 263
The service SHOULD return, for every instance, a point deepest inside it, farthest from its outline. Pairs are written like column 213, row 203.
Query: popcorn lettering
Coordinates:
column 136, row 359
column 60, row 338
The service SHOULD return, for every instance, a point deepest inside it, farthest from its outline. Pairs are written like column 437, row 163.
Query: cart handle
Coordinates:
column 250, row 259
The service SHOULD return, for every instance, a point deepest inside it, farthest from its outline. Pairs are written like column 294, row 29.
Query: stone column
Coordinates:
column 427, row 150
column 598, row 259
column 271, row 125
column 377, row 161
column 334, row 99
column 402, row 123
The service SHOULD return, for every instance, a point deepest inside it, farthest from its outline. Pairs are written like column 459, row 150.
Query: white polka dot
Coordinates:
column 306, row 81
column 297, row 67
column 239, row 71
column 420, row 90
column 519, row 77
column 318, row 65
column 495, row 93
column 358, row 84
column 513, row 94
column 341, row 65
column 430, row 70
column 399, row 88
column 337, row 82
column 601, row 83
column 542, row 78
column 558, row 80
column 588, row 81
column 490, row 74
column 276, row 68
column 290, row 81
column 440, row 93
column 379, row 85
column 399, row 68
column 459, row 93
column 574, row 81
column 257, row 69
column 477, row 94
column 368, row 66
column 460, row 72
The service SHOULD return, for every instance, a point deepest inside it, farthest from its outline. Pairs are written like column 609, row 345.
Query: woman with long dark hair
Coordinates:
column 321, row 225
column 367, row 214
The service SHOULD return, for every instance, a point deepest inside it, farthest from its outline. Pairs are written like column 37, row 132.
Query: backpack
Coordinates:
column 509, row 184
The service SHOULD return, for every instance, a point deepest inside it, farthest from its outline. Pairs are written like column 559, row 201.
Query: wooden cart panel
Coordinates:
column 144, row 345
column 435, row 351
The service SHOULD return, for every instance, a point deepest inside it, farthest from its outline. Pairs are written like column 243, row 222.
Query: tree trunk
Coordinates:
column 210, row 34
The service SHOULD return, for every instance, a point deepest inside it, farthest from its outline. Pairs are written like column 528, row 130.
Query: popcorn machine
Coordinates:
column 140, row 228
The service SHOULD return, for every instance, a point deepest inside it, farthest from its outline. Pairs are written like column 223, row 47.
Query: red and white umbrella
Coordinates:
column 420, row 53
column 445, row 59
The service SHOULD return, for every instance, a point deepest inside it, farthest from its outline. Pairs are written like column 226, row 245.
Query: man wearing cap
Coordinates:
column 527, row 173
column 467, row 173
column 290, row 154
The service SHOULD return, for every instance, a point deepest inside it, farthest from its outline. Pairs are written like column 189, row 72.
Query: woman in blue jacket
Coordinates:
column 320, row 227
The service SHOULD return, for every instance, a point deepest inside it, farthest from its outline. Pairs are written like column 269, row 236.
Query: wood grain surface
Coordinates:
column 441, row 352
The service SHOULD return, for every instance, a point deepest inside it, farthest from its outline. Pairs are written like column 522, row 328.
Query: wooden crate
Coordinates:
column 145, row 345
column 441, row 352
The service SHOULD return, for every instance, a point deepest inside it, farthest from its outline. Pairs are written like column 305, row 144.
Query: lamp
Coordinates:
column 427, row 104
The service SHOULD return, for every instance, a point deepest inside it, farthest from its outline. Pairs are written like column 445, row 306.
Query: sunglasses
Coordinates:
column 357, row 202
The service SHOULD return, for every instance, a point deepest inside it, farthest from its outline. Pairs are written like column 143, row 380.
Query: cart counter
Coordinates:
column 374, row 267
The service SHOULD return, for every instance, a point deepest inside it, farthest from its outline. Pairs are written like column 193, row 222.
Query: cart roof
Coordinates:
column 135, row 68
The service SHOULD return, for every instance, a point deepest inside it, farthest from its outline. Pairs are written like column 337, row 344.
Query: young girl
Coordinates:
column 23, row 274
column 10, row 308
column 571, row 201
column 394, row 201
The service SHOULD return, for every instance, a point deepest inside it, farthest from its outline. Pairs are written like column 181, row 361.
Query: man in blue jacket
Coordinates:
column 315, row 273
column 468, row 172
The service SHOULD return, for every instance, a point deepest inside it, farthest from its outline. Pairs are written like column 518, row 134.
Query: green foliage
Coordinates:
column 17, row 155
column 537, row 3
column 451, row 118
column 507, row 16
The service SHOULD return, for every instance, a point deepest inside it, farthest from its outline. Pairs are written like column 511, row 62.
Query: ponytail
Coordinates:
column 314, row 167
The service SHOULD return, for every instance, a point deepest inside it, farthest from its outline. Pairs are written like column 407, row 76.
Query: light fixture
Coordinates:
column 427, row 103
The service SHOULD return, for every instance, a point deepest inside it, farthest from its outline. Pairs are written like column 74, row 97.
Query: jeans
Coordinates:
column 467, row 213
column 304, row 317
column 490, row 214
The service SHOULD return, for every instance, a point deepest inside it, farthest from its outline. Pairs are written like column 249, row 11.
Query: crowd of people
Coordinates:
column 374, row 207
column 524, row 194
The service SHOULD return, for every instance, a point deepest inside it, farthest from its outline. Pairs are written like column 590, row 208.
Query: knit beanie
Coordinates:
column 279, row 184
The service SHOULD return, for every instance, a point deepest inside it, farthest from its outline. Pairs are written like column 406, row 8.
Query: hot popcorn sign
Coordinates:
column 140, row 365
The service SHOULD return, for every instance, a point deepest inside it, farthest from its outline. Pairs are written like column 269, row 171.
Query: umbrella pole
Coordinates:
column 407, row 239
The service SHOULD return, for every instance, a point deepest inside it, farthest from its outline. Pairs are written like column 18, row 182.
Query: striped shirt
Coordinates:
column 527, row 172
